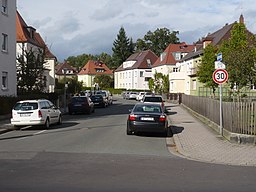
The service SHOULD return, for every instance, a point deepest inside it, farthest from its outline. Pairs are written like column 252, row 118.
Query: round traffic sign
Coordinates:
column 220, row 76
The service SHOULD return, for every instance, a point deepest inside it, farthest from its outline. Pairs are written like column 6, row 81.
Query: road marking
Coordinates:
column 37, row 133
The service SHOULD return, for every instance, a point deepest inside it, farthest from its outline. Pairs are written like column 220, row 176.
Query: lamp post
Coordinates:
column 65, row 90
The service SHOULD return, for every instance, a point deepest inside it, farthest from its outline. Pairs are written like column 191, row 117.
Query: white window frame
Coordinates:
column 4, row 42
column 4, row 6
column 4, row 80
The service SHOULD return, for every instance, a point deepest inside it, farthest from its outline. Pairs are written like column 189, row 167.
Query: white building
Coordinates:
column 135, row 72
column 28, row 39
column 8, row 48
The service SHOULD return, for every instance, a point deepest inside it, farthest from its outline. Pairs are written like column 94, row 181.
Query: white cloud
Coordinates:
column 90, row 26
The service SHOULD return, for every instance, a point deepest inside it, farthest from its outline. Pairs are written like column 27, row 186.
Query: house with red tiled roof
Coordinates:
column 185, row 80
column 166, row 63
column 135, row 72
column 28, row 39
column 8, row 83
column 65, row 70
column 90, row 70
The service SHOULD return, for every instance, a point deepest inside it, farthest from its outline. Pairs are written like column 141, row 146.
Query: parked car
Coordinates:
column 154, row 99
column 147, row 117
column 99, row 100
column 35, row 112
column 81, row 104
column 140, row 96
column 132, row 95
column 107, row 95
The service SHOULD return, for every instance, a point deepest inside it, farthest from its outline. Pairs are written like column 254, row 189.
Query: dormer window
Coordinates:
column 162, row 56
column 100, row 70
column 149, row 62
column 31, row 31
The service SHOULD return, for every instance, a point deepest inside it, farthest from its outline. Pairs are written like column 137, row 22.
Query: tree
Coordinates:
column 207, row 67
column 104, row 81
column 239, row 55
column 157, row 41
column 30, row 69
column 122, row 48
column 159, row 84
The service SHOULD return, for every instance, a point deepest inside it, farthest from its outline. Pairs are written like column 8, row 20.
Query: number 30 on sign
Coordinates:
column 220, row 76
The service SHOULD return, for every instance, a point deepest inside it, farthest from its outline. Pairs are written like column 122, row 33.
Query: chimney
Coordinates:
column 241, row 19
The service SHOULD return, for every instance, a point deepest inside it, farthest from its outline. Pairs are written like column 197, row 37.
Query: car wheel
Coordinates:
column 47, row 124
column 60, row 120
column 128, row 131
column 70, row 112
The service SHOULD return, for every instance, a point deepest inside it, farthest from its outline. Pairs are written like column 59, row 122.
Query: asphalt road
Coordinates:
column 93, row 153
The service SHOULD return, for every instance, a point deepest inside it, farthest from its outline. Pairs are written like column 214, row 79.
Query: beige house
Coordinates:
column 92, row 68
column 174, row 53
column 185, row 80
column 28, row 39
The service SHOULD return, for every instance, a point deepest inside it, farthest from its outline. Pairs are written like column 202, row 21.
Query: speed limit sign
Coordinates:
column 220, row 76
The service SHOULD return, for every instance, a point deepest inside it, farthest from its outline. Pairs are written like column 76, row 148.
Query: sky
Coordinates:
column 75, row 27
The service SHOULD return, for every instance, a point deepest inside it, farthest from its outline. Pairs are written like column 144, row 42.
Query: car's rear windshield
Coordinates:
column 96, row 97
column 26, row 106
column 148, row 108
column 79, row 99
column 153, row 99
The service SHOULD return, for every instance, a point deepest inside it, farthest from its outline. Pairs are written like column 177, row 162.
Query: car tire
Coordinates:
column 60, row 120
column 128, row 131
column 47, row 124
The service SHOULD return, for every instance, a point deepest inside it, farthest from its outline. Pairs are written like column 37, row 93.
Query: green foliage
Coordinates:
column 157, row 41
column 81, row 60
column 122, row 48
column 160, row 83
column 74, row 86
column 239, row 55
column 104, row 81
column 207, row 67
column 30, row 69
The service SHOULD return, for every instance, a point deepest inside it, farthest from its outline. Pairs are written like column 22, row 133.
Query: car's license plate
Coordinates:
column 78, row 105
column 147, row 118
column 25, row 114
column 96, row 103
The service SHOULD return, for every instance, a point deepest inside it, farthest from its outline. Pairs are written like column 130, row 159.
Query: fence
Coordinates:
column 238, row 117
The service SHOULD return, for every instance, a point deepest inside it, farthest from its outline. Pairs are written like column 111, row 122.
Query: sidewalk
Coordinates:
column 195, row 140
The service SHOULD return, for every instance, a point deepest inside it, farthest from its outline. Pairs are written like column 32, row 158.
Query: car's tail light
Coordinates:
column 132, row 117
column 162, row 118
column 40, row 114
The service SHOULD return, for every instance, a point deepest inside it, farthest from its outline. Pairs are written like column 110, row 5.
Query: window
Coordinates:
column 4, row 6
column 4, row 42
column 162, row 56
column 4, row 80
column 177, row 56
column 175, row 69
column 141, row 73
column 194, row 85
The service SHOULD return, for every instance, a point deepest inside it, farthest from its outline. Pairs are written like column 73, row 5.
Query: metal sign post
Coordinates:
column 220, row 76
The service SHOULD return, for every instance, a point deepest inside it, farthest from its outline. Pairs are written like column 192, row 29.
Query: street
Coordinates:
column 93, row 153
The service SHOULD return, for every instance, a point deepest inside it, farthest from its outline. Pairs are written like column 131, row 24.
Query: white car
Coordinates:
column 140, row 96
column 154, row 99
column 35, row 112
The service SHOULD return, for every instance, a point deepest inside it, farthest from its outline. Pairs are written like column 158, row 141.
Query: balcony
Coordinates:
column 192, row 71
